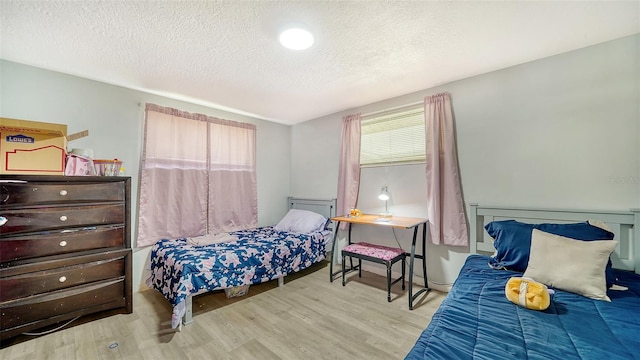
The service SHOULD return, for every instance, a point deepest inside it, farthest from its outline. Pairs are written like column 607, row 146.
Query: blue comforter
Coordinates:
column 476, row 321
column 179, row 269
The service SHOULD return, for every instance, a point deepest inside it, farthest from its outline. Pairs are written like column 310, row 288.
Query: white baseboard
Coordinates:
column 440, row 287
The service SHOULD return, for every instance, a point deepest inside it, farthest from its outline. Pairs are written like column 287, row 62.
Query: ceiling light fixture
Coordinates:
column 296, row 38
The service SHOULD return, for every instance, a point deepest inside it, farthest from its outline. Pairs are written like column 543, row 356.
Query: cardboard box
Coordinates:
column 32, row 148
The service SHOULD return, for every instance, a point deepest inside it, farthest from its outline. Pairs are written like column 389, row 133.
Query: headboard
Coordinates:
column 624, row 224
column 326, row 208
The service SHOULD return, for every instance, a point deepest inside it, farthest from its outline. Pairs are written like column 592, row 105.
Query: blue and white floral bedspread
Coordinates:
column 179, row 268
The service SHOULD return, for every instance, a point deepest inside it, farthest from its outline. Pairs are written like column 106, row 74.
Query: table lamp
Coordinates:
column 384, row 195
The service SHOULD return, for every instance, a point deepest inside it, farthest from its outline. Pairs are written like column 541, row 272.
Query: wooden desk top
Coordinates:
column 371, row 219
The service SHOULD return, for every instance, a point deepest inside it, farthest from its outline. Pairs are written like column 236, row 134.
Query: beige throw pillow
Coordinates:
column 571, row 265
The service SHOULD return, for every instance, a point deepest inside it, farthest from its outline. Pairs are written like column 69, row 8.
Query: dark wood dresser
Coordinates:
column 65, row 250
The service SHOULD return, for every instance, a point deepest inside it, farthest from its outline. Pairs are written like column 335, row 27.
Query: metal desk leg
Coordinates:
column 413, row 255
column 333, row 252
column 424, row 254
column 333, row 249
column 349, row 243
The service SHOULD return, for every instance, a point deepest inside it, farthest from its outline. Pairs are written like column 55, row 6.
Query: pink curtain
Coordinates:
column 233, row 197
column 198, row 176
column 447, row 221
column 349, row 168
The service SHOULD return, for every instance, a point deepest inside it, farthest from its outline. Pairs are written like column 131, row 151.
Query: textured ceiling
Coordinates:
column 226, row 54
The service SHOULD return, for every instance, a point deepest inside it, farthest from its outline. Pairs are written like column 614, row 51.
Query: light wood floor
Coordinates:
column 308, row 318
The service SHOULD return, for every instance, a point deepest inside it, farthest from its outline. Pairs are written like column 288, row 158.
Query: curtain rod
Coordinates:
column 392, row 108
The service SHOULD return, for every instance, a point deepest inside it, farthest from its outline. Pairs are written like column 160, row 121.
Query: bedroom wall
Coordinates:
column 559, row 132
column 114, row 119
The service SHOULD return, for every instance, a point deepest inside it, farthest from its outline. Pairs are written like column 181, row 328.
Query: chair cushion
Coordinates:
column 385, row 253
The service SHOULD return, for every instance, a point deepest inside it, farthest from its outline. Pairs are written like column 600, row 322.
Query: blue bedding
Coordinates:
column 179, row 268
column 476, row 321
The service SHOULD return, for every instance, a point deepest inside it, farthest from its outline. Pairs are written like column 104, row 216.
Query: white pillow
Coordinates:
column 602, row 225
column 301, row 221
column 568, row 264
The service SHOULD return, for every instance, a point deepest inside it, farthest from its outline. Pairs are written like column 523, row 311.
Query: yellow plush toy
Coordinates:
column 527, row 293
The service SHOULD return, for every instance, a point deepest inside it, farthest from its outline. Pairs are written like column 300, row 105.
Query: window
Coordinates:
column 198, row 176
column 396, row 137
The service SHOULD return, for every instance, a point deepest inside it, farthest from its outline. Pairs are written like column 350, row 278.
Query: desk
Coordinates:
column 394, row 222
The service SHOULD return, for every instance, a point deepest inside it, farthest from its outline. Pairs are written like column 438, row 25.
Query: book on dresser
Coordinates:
column 65, row 250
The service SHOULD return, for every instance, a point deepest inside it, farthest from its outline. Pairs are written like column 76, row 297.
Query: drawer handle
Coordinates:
column 63, row 218
column 63, row 243
column 4, row 193
column 63, row 192
column 62, row 279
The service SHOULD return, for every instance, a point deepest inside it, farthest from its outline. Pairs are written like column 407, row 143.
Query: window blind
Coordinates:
column 393, row 137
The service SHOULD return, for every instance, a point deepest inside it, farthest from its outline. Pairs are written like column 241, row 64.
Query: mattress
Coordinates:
column 476, row 321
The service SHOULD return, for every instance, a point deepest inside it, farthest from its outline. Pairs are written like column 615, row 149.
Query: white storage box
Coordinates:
column 237, row 291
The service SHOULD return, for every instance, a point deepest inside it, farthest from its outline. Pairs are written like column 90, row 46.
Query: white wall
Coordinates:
column 114, row 119
column 560, row 132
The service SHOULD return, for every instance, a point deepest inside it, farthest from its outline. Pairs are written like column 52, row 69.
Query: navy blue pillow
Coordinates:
column 512, row 240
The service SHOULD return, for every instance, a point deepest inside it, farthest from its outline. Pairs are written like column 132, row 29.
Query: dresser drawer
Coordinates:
column 14, row 287
column 60, row 242
column 35, row 193
column 44, row 306
column 62, row 217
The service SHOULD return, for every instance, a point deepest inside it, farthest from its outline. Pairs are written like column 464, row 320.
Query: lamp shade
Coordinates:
column 384, row 194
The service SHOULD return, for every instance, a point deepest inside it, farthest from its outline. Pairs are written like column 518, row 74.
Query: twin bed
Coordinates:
column 183, row 268
column 477, row 321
